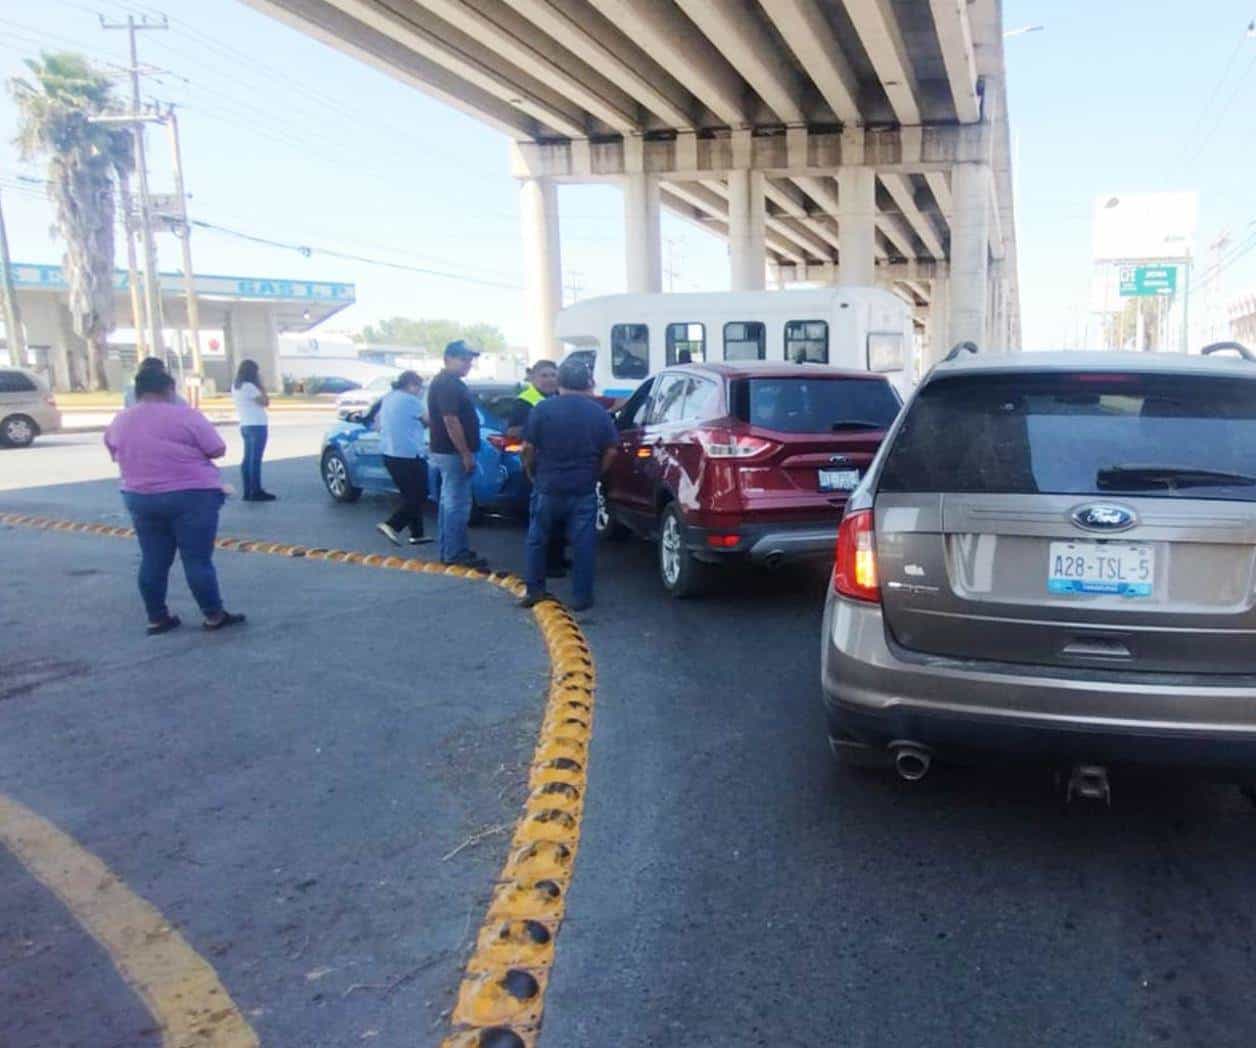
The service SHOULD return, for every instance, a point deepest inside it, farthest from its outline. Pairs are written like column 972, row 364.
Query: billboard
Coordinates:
column 1144, row 226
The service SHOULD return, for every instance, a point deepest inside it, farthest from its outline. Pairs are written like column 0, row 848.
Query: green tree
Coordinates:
column 55, row 111
column 432, row 335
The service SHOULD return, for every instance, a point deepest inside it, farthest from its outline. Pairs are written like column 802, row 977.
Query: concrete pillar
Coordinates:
column 747, row 256
column 856, row 226
column 970, row 253
column 252, row 333
column 641, row 234
column 937, row 341
column 542, row 265
column 997, row 323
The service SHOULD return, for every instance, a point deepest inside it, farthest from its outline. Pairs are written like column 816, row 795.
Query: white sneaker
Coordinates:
column 388, row 533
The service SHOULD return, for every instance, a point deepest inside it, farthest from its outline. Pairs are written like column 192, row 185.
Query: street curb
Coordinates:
column 501, row 998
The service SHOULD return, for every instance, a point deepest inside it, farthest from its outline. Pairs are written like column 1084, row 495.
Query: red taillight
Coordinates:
column 855, row 565
column 723, row 443
column 508, row 445
column 723, row 541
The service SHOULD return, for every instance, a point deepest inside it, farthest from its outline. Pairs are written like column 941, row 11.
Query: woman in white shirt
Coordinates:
column 250, row 404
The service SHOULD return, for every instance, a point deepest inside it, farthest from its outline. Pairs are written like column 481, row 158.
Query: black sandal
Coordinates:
column 170, row 622
column 228, row 619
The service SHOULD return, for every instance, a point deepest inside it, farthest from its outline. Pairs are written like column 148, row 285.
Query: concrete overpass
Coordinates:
column 251, row 312
column 851, row 141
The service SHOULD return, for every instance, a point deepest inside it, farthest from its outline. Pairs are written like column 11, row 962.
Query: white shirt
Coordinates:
column 248, row 404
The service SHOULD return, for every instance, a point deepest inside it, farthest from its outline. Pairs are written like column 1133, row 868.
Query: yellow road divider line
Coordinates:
column 502, row 995
column 181, row 990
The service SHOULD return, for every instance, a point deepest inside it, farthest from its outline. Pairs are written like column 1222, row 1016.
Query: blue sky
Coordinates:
column 287, row 139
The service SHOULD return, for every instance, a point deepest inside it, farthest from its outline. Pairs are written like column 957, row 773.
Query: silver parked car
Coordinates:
column 27, row 408
column 1054, row 555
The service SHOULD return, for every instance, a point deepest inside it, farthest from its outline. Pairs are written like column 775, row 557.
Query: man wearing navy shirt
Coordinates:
column 569, row 441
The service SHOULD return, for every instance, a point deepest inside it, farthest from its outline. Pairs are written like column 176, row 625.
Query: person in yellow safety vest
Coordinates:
column 541, row 383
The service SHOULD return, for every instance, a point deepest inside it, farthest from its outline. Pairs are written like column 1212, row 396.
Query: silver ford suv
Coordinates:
column 1054, row 555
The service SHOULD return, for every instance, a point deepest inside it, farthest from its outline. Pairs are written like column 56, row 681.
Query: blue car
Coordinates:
column 351, row 462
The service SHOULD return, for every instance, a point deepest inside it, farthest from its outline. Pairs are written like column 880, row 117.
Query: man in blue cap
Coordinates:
column 569, row 441
column 454, row 442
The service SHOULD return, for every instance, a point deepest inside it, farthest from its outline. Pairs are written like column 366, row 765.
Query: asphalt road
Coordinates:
column 732, row 887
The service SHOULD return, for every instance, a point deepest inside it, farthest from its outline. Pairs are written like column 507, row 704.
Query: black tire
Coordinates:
column 681, row 573
column 606, row 525
column 18, row 431
column 335, row 473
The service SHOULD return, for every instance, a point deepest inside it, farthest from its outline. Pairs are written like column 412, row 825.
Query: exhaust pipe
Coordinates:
column 911, row 761
column 774, row 559
column 1089, row 781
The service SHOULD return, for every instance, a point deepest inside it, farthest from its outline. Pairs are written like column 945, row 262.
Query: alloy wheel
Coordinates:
column 670, row 550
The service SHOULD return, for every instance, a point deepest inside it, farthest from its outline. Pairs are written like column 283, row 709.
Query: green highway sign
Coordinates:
column 1140, row 281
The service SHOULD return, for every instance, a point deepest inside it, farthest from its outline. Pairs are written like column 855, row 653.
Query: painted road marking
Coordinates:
column 181, row 991
column 501, row 1000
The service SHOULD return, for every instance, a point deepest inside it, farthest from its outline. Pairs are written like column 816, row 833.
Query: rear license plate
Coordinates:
column 1121, row 568
column 839, row 479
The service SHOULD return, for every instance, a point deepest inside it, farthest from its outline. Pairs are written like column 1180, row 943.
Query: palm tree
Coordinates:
column 84, row 158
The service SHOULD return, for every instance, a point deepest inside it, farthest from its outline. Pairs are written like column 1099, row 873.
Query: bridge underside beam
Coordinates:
column 797, row 155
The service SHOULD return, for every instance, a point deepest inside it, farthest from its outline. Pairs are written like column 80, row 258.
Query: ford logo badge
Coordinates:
column 1103, row 516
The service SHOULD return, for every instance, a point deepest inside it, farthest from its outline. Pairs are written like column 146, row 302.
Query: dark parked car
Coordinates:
column 1054, row 556
column 750, row 460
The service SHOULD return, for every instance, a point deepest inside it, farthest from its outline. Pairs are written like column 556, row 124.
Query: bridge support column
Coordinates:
column 999, row 335
column 856, row 226
column 747, row 256
column 970, row 253
column 542, row 265
column 937, row 343
column 641, row 234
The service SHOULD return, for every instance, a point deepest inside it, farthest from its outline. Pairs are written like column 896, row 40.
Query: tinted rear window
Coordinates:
column 814, row 405
column 1083, row 434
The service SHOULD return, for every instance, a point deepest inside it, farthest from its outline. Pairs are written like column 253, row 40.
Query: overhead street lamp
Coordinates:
column 1022, row 30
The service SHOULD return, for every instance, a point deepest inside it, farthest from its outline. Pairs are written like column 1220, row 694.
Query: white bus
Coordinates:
column 629, row 337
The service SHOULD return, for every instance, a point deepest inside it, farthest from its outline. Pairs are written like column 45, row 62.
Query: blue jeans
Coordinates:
column 454, row 510
column 183, row 521
column 251, row 464
column 576, row 515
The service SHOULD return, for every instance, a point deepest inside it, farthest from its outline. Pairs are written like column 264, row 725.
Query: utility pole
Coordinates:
column 183, row 230
column 13, row 333
column 152, row 300
column 132, row 269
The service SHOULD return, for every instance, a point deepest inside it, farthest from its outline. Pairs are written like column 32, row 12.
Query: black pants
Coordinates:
column 410, row 476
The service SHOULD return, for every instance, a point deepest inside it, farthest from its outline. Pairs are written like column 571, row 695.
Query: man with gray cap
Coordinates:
column 569, row 441
column 455, row 439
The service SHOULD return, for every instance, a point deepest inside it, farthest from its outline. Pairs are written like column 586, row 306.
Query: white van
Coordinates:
column 629, row 337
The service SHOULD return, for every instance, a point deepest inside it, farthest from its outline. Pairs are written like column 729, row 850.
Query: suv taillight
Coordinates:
column 855, row 565
column 722, row 443
column 503, row 443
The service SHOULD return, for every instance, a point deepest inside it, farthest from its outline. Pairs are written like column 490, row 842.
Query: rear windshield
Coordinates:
column 1079, row 434
column 815, row 405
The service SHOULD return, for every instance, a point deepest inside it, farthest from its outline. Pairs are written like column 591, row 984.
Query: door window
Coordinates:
column 686, row 343
column 630, row 350
column 744, row 340
column 669, row 400
column 807, row 342
column 15, row 382
column 632, row 414
column 702, row 400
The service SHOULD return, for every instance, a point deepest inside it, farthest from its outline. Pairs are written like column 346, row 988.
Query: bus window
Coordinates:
column 630, row 350
column 886, row 351
column 744, row 341
column 686, row 344
column 807, row 342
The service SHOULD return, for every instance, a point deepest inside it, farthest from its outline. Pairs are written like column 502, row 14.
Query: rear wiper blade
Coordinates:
column 1170, row 476
column 856, row 423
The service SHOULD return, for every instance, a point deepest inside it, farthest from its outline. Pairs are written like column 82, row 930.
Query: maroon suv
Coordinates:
column 749, row 460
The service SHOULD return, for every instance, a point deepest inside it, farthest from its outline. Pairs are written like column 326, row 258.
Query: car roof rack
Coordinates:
column 1220, row 347
column 960, row 347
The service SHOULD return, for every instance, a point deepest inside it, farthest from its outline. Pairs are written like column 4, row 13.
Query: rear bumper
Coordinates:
column 772, row 543
column 876, row 693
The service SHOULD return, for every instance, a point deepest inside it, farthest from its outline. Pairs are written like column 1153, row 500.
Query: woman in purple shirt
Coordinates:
column 173, row 491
